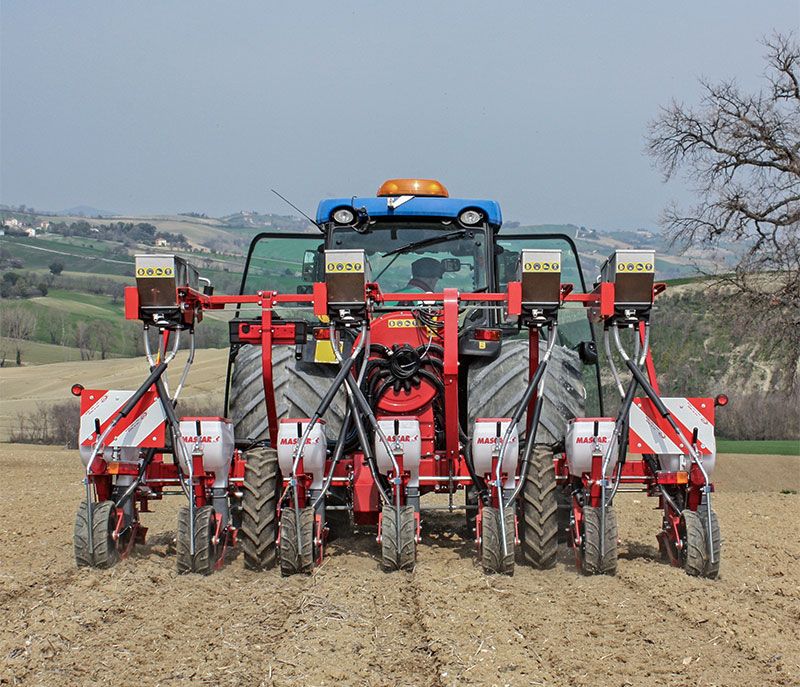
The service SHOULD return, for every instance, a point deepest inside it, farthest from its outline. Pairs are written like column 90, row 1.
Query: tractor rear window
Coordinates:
column 280, row 262
column 406, row 257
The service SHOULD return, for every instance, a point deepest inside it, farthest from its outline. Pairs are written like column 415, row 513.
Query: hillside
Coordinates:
column 77, row 313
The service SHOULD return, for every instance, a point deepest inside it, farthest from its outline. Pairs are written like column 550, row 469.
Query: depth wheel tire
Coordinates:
column 496, row 386
column 206, row 551
column 104, row 551
column 712, row 569
column 693, row 529
column 592, row 563
column 404, row 556
column 183, row 553
column 694, row 544
column 297, row 392
column 259, row 531
column 492, row 558
column 539, row 512
column 297, row 557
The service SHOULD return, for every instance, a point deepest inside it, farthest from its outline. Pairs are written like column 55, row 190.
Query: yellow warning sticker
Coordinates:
column 154, row 272
column 642, row 267
column 405, row 323
column 352, row 267
column 541, row 266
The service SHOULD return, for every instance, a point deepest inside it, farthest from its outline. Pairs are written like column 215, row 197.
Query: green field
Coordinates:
column 784, row 447
column 37, row 353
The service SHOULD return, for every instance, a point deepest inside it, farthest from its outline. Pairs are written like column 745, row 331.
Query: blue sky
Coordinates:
column 178, row 106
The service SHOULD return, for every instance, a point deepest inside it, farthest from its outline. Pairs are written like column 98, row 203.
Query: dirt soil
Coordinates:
column 444, row 624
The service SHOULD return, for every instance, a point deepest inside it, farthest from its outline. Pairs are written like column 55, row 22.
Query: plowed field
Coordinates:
column 444, row 624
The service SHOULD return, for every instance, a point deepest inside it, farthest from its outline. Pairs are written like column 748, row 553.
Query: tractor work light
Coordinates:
column 413, row 187
column 344, row 216
column 346, row 277
column 470, row 217
column 540, row 274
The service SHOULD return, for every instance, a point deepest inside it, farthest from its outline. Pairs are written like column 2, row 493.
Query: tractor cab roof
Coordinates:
column 412, row 198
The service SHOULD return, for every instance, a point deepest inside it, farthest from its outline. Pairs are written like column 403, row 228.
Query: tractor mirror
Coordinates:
column 309, row 263
column 451, row 264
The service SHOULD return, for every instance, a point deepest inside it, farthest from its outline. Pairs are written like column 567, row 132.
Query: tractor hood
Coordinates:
column 412, row 206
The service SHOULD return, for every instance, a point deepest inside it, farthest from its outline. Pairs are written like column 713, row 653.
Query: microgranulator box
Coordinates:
column 158, row 277
column 346, row 276
column 540, row 275
column 632, row 272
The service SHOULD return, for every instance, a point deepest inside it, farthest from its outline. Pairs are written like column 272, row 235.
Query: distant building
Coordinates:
column 30, row 231
column 162, row 243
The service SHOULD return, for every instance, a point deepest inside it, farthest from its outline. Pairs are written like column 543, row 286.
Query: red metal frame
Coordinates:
column 351, row 470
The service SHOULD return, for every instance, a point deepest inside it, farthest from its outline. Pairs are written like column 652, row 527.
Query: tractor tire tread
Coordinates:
column 497, row 385
column 259, row 529
column 297, row 392
column 539, row 505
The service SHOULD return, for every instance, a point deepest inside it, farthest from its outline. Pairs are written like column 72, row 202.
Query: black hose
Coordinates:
column 148, row 458
column 155, row 376
column 341, row 441
column 640, row 377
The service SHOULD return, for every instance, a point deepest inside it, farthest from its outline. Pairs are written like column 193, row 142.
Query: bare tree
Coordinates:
column 55, row 324
column 741, row 153
column 103, row 337
column 83, row 341
column 19, row 325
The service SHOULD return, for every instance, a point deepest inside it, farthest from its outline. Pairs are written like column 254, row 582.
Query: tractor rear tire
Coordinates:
column 402, row 555
column 496, row 386
column 104, row 521
column 493, row 560
column 206, row 551
column 539, row 512
column 297, row 392
column 592, row 562
column 259, row 533
column 297, row 557
column 694, row 554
